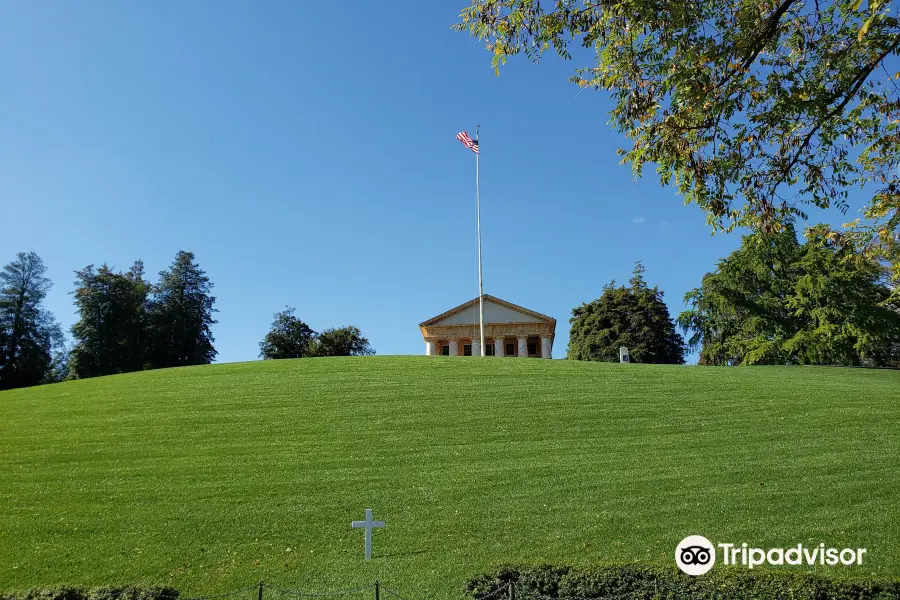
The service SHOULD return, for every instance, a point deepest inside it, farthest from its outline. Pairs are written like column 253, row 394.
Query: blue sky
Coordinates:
column 307, row 157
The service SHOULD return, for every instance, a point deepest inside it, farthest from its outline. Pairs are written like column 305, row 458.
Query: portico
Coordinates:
column 510, row 330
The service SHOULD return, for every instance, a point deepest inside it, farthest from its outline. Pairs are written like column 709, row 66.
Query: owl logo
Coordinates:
column 695, row 555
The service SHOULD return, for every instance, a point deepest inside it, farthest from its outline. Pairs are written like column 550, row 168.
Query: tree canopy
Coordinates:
column 28, row 332
column 112, row 332
column 341, row 341
column 755, row 109
column 181, row 315
column 289, row 337
column 126, row 324
column 633, row 316
column 777, row 301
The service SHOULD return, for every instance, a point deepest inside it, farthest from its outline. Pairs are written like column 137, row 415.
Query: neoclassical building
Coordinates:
column 510, row 330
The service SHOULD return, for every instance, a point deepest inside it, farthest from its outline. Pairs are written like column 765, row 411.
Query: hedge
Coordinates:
column 633, row 582
column 75, row 593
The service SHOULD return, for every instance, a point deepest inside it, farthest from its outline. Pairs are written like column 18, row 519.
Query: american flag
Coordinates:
column 469, row 142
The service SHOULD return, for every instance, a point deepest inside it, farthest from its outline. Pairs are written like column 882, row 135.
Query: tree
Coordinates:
column 754, row 108
column 289, row 337
column 776, row 301
column 60, row 366
column 181, row 315
column 111, row 334
column 341, row 341
column 28, row 332
column 633, row 316
column 3, row 342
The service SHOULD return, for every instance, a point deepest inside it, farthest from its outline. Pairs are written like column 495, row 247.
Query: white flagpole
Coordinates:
column 480, row 282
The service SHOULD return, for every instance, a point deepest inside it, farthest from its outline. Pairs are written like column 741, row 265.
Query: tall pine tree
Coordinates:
column 111, row 335
column 181, row 315
column 28, row 332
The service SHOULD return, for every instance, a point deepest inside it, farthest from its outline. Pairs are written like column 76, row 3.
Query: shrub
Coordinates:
column 112, row 593
column 633, row 582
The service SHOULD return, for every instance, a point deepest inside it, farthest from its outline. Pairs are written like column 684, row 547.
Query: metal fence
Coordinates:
column 376, row 590
column 379, row 591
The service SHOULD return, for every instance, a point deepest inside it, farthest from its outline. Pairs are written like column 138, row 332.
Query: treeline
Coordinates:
column 289, row 337
column 773, row 301
column 125, row 324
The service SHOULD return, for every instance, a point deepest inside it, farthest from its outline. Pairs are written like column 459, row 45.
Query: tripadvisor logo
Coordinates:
column 696, row 555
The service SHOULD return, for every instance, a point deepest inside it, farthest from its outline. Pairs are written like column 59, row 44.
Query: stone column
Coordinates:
column 454, row 347
column 476, row 347
column 499, row 348
column 523, row 347
column 546, row 348
column 430, row 347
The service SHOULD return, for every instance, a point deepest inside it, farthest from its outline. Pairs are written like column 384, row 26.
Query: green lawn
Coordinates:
column 212, row 478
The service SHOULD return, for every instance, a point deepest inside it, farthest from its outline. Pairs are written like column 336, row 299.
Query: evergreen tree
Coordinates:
column 111, row 334
column 776, row 301
column 739, row 314
column 181, row 315
column 341, row 341
column 633, row 316
column 289, row 337
column 28, row 332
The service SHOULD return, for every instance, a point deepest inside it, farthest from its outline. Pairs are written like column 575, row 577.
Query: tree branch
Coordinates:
column 759, row 43
column 856, row 83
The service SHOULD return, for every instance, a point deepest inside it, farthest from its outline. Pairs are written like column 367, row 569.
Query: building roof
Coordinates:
column 530, row 315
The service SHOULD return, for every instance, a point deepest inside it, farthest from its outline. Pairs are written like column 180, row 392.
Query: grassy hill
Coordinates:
column 212, row 478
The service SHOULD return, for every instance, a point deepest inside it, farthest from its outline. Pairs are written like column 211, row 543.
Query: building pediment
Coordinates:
column 496, row 311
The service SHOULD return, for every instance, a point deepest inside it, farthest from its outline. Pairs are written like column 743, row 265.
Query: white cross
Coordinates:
column 368, row 525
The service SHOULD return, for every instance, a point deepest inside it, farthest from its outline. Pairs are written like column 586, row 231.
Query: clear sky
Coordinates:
column 307, row 157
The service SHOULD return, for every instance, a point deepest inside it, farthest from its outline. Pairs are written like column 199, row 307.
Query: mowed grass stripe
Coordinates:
column 211, row 478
